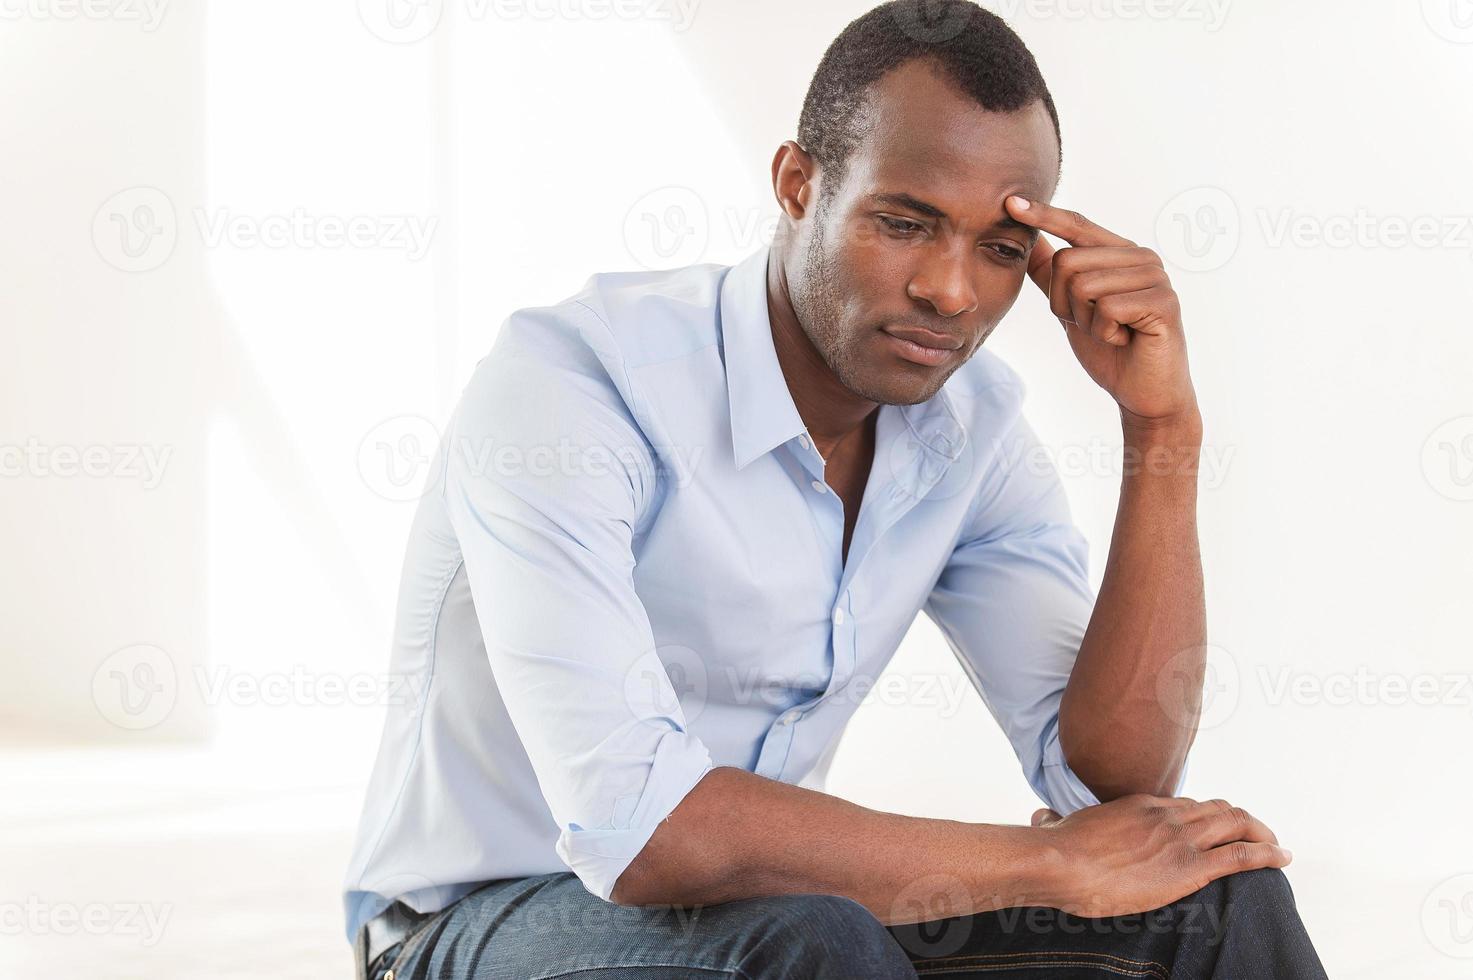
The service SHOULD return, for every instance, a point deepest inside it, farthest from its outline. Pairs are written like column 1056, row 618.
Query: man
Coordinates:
column 681, row 518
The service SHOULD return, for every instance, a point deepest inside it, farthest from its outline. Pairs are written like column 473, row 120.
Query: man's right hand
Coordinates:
column 1141, row 852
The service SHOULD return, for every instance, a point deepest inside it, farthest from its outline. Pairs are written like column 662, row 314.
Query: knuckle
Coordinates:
column 1183, row 856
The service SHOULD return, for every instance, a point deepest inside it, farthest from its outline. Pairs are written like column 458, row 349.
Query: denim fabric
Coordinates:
column 1242, row 927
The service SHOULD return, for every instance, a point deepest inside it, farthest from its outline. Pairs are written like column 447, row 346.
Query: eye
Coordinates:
column 1009, row 252
column 900, row 225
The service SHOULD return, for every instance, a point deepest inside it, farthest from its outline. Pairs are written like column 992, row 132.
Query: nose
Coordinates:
column 944, row 283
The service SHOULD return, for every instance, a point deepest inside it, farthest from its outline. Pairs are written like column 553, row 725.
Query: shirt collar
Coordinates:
column 763, row 415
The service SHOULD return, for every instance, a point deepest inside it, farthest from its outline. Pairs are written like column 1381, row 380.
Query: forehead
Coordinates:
column 925, row 135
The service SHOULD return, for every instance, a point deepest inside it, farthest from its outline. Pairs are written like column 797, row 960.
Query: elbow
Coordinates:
column 1113, row 782
column 665, row 875
column 633, row 888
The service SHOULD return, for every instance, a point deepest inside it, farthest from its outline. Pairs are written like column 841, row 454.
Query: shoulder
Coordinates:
column 616, row 324
column 599, row 369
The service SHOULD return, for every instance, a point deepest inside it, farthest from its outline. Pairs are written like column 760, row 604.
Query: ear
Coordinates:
column 794, row 179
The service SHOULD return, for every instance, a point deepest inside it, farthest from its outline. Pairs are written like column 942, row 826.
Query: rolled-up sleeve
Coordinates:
column 1014, row 601
column 546, row 476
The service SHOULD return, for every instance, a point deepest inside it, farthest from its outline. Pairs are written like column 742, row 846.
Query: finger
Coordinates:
column 1071, row 262
column 1040, row 264
column 1044, row 817
column 1148, row 311
column 1242, row 856
column 1071, row 226
column 1078, row 292
column 1223, row 824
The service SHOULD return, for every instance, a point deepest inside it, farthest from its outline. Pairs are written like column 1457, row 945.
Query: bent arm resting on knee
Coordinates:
column 739, row 835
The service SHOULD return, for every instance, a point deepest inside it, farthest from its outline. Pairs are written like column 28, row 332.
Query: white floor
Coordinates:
column 173, row 863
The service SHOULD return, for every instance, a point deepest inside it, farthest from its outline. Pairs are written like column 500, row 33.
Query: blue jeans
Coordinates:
column 1242, row 927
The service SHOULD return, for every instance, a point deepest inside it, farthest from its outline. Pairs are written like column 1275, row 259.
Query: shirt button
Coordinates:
column 803, row 441
column 788, row 718
column 838, row 617
column 819, row 486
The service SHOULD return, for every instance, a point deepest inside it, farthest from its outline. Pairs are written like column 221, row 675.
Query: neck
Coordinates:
column 833, row 414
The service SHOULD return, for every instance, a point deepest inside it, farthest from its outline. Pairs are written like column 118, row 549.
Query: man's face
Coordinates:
column 916, row 235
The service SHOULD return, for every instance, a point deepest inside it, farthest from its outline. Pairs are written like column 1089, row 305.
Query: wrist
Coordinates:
column 1183, row 428
column 1038, row 871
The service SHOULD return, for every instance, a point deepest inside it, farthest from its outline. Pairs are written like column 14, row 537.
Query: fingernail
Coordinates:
column 1288, row 854
column 1021, row 203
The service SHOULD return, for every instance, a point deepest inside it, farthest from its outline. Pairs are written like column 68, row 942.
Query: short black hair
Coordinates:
column 973, row 46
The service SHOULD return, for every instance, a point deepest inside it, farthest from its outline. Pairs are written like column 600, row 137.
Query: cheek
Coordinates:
column 998, row 290
column 872, row 273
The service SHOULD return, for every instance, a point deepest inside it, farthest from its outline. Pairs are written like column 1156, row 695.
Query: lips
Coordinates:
column 926, row 338
column 919, row 346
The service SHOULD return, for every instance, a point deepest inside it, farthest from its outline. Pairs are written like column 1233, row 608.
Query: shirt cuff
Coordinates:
column 599, row 855
column 1057, row 785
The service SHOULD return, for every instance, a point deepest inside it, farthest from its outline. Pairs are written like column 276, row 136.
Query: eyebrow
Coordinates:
column 903, row 200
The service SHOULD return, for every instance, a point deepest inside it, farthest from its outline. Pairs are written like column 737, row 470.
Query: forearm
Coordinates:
column 738, row 835
column 1125, row 728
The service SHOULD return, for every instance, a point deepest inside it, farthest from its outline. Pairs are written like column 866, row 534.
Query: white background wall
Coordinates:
column 213, row 438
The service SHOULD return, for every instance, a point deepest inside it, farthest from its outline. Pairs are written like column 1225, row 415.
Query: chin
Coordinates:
column 889, row 388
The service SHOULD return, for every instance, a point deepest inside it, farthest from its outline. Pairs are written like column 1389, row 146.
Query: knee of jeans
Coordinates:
column 1248, row 897
column 828, row 936
column 1261, row 885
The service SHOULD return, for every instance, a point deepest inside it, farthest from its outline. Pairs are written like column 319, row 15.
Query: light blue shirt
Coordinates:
column 627, row 569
